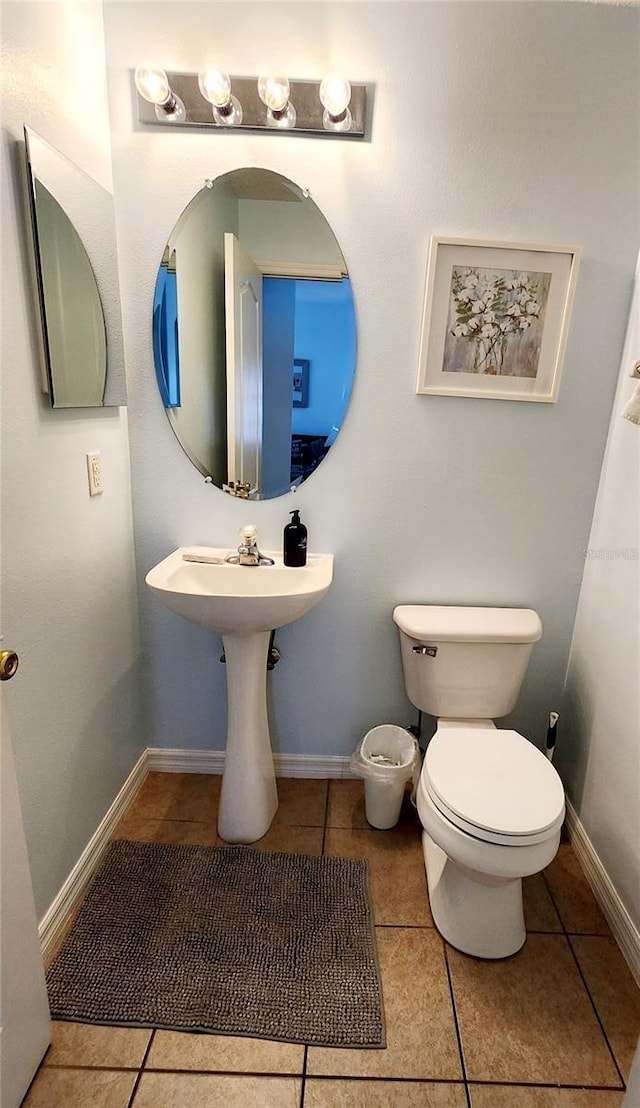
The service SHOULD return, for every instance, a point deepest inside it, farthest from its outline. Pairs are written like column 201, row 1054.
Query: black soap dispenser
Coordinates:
column 295, row 541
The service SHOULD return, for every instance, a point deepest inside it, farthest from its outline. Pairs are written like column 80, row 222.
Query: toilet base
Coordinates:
column 478, row 914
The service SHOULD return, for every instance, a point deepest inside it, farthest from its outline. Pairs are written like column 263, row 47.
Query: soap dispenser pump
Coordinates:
column 295, row 541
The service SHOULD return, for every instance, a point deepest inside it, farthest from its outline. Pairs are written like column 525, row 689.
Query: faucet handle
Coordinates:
column 248, row 534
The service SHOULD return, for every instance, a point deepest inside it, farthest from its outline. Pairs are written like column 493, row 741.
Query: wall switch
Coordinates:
column 94, row 469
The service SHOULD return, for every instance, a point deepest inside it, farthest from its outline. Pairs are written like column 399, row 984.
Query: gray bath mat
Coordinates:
column 227, row 940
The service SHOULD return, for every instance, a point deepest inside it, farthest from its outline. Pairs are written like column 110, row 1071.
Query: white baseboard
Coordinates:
column 185, row 761
column 56, row 917
column 212, row 761
column 624, row 930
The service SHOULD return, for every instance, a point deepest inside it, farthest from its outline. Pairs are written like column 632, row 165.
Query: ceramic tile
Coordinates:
column 346, row 803
column 331, row 1093
column 576, row 904
column 529, row 1018
column 421, row 1038
column 173, row 1050
column 301, row 802
column 84, row 1044
column 539, row 912
column 202, row 1090
column 346, row 807
column 614, row 993
column 79, row 1088
column 512, row 1096
column 178, row 831
column 299, row 840
column 184, row 796
column 396, row 871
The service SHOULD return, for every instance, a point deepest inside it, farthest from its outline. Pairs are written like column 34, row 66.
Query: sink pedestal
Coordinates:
column 249, row 797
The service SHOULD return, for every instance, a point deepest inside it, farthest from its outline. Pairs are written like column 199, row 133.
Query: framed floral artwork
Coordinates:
column 496, row 317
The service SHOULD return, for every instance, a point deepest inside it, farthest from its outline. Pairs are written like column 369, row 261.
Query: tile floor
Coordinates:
column 553, row 1027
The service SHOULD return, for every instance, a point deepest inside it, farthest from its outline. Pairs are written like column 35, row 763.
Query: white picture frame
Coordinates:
column 496, row 319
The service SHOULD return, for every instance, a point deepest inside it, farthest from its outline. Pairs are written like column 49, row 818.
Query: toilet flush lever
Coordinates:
column 431, row 651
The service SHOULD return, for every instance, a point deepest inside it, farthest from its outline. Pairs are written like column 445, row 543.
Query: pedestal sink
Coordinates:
column 243, row 604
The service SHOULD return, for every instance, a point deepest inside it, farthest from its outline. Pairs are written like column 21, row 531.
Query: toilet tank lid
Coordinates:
column 446, row 623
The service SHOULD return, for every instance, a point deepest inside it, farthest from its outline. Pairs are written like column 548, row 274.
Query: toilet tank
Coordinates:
column 465, row 663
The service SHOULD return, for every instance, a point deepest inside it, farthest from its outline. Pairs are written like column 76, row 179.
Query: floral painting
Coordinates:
column 496, row 320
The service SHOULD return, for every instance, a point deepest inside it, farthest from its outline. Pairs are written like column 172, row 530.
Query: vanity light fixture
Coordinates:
column 268, row 104
column 153, row 86
column 215, row 86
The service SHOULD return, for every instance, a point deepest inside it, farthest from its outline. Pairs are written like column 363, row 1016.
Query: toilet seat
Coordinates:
column 493, row 784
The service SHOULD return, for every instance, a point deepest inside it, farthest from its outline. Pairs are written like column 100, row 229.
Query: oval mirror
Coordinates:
column 254, row 333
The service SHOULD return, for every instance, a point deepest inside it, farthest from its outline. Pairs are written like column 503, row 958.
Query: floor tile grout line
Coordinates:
column 221, row 1072
column 141, row 1070
column 546, row 1085
column 385, row 1079
column 303, row 1075
column 162, row 819
column 326, row 817
column 327, row 1077
column 591, row 935
column 595, row 1008
column 554, row 901
column 567, row 937
column 457, row 1025
column 82, row 1066
column 408, row 927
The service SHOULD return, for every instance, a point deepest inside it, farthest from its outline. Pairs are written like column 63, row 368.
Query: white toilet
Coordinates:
column 490, row 803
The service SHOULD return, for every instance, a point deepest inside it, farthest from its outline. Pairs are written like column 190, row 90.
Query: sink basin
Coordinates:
column 240, row 600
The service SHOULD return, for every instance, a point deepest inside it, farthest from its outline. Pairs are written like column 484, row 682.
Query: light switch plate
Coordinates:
column 94, row 471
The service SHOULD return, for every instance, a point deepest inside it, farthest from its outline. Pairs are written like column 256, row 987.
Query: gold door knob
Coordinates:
column 9, row 662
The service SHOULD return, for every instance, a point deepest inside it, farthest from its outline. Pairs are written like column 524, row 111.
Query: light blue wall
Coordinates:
column 68, row 589
column 598, row 752
column 511, row 121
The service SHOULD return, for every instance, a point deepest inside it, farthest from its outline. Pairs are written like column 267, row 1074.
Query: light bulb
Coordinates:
column 215, row 86
column 335, row 94
column 274, row 92
column 153, row 85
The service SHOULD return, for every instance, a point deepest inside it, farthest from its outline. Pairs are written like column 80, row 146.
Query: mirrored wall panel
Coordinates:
column 254, row 333
column 73, row 227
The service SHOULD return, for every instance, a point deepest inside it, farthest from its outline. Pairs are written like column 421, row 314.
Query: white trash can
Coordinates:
column 387, row 758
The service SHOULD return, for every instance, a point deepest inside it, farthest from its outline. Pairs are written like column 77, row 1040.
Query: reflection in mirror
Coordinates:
column 73, row 227
column 254, row 333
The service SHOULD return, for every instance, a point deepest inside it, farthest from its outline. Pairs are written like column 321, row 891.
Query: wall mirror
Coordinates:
column 76, row 266
column 254, row 333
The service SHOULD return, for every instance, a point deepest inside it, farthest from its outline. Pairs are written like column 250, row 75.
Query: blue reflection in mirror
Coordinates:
column 165, row 337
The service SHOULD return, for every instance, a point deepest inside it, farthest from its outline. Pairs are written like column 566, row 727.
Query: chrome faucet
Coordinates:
column 248, row 553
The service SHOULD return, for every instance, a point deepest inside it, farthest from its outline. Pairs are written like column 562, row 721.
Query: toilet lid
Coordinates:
column 494, row 784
